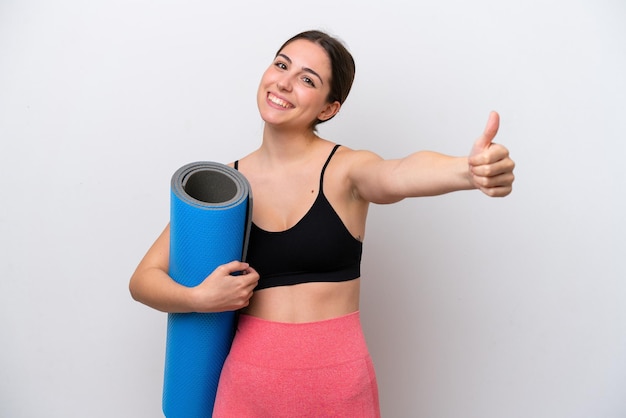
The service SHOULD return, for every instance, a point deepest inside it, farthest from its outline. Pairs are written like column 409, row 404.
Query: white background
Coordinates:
column 473, row 307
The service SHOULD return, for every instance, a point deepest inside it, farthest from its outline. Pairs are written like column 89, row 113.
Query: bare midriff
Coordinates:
column 306, row 302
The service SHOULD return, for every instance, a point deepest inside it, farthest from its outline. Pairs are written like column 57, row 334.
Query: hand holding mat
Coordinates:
column 211, row 207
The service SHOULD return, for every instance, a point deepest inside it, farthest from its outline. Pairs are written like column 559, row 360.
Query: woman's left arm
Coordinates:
column 425, row 173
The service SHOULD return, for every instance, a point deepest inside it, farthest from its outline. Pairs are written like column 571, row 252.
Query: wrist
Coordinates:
column 200, row 300
column 193, row 299
column 465, row 174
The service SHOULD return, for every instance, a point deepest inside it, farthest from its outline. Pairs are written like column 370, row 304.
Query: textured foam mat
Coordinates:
column 210, row 220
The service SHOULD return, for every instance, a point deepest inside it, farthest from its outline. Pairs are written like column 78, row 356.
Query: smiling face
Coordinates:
column 294, row 89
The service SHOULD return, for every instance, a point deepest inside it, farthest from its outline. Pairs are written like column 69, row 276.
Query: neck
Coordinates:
column 286, row 145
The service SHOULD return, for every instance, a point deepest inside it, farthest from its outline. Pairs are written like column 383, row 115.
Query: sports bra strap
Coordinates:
column 326, row 164
column 236, row 164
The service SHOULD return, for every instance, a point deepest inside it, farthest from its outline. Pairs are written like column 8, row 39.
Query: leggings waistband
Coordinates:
column 299, row 345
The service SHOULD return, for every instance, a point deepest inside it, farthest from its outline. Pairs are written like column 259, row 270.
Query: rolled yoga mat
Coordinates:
column 211, row 207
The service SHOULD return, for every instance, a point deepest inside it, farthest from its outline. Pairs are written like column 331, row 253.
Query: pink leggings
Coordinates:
column 314, row 369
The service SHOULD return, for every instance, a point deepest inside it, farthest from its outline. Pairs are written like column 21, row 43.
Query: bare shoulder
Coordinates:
column 369, row 176
column 352, row 156
column 354, row 168
column 355, row 161
column 245, row 158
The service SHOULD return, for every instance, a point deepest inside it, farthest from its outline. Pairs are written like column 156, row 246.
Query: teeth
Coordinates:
column 278, row 101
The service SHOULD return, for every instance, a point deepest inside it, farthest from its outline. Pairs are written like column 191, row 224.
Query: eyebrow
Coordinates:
column 308, row 70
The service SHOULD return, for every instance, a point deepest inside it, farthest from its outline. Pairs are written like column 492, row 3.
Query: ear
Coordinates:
column 330, row 110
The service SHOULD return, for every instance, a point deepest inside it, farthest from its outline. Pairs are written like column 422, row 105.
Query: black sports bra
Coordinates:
column 319, row 248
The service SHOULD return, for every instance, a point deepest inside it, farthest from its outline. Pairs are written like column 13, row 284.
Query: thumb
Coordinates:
column 491, row 129
column 235, row 267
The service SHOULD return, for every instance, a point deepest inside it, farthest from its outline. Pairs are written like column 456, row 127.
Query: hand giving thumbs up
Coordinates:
column 491, row 168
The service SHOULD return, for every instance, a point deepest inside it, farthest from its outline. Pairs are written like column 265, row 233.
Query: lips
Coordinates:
column 279, row 102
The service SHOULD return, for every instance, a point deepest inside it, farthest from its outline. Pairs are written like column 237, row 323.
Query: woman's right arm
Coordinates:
column 151, row 285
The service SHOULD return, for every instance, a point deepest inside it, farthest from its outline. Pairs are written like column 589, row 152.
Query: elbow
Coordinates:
column 133, row 293
column 388, row 194
column 133, row 288
column 387, row 200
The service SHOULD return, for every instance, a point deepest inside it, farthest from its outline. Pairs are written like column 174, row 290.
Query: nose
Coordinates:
column 284, row 83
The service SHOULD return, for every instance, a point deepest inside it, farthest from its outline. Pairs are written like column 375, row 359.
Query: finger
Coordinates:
column 251, row 276
column 491, row 129
column 499, row 191
column 235, row 266
column 495, row 153
column 486, row 169
column 251, row 270
column 503, row 179
column 500, row 185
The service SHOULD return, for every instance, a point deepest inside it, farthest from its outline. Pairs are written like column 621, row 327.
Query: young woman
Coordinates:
column 299, row 349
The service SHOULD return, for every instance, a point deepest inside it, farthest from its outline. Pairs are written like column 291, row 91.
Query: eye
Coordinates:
column 308, row 81
column 281, row 65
